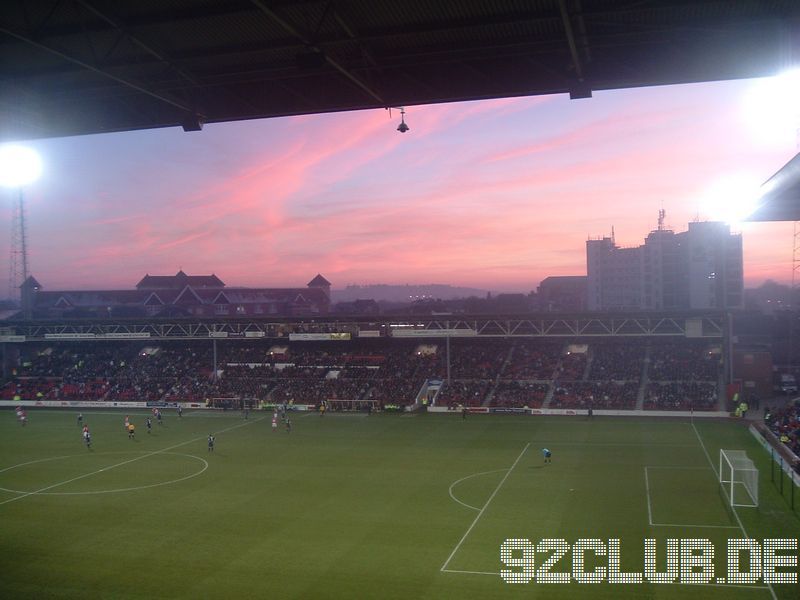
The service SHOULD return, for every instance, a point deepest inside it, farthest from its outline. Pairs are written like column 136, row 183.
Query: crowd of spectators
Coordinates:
column 595, row 394
column 785, row 424
column 27, row 389
column 518, row 394
column 681, row 395
column 682, row 362
column 617, row 361
column 516, row 372
column 477, row 360
column 394, row 390
column 463, row 392
column 533, row 360
column 305, row 392
column 572, row 366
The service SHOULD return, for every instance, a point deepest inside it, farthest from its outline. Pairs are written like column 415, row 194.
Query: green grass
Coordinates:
column 349, row 506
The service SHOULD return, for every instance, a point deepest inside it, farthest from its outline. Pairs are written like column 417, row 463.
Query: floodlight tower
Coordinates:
column 19, row 166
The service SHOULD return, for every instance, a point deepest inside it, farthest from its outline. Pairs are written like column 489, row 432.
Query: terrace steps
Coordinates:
column 644, row 380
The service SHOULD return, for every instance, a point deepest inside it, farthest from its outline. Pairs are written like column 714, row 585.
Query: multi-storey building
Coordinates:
column 698, row 269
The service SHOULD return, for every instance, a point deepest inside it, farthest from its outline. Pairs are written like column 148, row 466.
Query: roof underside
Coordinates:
column 70, row 67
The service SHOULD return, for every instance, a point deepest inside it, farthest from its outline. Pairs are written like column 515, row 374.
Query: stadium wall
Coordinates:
column 104, row 404
column 773, row 446
column 716, row 414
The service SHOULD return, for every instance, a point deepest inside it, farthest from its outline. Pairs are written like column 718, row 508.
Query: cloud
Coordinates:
column 492, row 193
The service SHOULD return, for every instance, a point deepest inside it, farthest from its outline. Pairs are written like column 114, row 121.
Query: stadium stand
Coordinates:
column 682, row 377
column 513, row 373
column 617, row 361
column 533, row 360
column 681, row 395
column 675, row 362
column 519, row 394
column 615, row 395
column 785, row 424
column 463, row 392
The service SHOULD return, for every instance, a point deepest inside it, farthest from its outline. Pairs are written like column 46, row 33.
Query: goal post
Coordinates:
column 738, row 476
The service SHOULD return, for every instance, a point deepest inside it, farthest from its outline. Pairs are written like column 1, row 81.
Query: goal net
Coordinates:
column 738, row 477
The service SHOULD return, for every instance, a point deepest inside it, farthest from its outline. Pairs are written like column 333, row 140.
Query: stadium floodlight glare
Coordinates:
column 772, row 108
column 19, row 166
column 731, row 199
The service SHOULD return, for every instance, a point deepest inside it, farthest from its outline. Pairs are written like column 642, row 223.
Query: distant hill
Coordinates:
column 403, row 293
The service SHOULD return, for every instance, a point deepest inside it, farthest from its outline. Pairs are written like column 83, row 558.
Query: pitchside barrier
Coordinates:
column 781, row 471
column 106, row 404
column 717, row 414
column 434, row 409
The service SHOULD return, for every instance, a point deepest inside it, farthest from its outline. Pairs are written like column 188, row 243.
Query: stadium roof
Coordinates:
column 85, row 66
column 781, row 195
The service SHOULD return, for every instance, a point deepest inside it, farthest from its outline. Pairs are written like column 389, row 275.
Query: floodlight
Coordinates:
column 19, row 166
column 732, row 199
column 772, row 107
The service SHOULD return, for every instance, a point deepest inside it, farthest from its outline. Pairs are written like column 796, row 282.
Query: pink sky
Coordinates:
column 491, row 194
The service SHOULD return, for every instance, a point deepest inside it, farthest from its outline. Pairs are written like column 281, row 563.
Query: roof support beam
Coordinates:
column 123, row 29
column 332, row 62
column 129, row 83
column 581, row 90
column 196, row 116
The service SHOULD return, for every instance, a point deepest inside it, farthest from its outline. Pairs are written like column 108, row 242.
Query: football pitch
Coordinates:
column 350, row 506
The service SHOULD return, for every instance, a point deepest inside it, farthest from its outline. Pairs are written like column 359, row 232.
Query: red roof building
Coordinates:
column 180, row 295
column 179, row 281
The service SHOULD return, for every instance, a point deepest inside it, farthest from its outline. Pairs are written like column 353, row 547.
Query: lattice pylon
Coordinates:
column 18, row 258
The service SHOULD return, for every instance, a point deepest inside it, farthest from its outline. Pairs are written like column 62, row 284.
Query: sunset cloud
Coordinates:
column 495, row 194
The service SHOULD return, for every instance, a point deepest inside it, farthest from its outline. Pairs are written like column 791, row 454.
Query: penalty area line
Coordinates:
column 480, row 514
column 125, row 462
column 725, row 585
column 733, row 508
column 686, row 525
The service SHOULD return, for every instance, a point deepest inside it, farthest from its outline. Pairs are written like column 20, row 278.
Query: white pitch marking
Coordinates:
column 649, row 506
column 494, row 493
column 733, row 508
column 725, row 585
column 613, row 444
column 693, row 525
column 119, row 490
column 125, row 462
column 455, row 483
